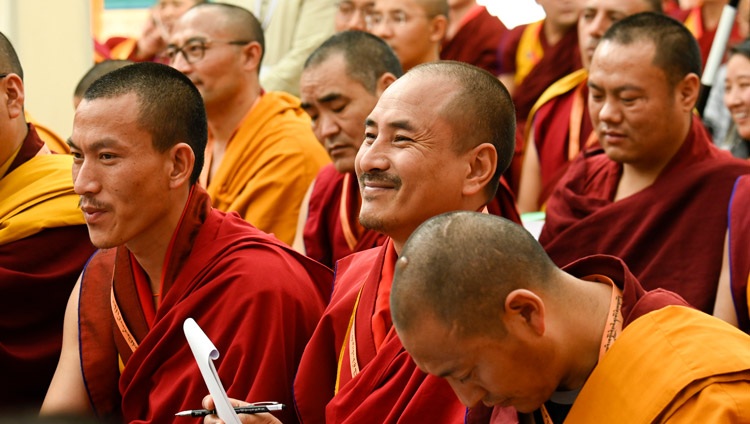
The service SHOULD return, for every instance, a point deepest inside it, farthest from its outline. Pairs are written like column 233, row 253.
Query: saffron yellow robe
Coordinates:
column 270, row 161
column 673, row 365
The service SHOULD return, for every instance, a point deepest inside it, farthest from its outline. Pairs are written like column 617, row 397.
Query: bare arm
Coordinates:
column 530, row 184
column 724, row 306
column 67, row 393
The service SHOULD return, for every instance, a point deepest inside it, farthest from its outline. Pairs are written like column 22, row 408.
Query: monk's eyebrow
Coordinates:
column 70, row 143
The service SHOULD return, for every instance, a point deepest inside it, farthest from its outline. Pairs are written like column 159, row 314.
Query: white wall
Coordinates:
column 53, row 41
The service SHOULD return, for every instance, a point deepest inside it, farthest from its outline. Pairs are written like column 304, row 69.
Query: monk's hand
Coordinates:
column 265, row 418
column 152, row 40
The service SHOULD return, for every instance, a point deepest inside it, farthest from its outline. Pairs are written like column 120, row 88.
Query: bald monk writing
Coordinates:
column 490, row 313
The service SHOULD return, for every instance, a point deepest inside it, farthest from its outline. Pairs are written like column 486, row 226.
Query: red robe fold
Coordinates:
column 476, row 42
column 739, row 242
column 324, row 234
column 389, row 387
column 551, row 129
column 255, row 298
column 37, row 274
column 670, row 234
column 558, row 61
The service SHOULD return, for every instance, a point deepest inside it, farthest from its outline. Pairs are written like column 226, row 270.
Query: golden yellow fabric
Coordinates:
column 50, row 138
column 124, row 49
column 38, row 195
column 269, row 163
column 674, row 365
column 558, row 88
column 529, row 52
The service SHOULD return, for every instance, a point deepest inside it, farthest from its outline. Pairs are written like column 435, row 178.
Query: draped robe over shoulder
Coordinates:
column 256, row 299
column 348, row 375
column 332, row 230
column 671, row 234
column 44, row 245
column 739, row 250
column 269, row 164
column 476, row 41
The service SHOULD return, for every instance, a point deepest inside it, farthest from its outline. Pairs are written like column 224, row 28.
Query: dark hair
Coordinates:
column 239, row 21
column 742, row 48
column 460, row 266
column 367, row 57
column 480, row 111
column 677, row 52
column 8, row 58
column 96, row 72
column 170, row 107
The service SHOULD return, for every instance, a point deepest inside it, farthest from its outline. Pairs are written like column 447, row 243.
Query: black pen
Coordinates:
column 250, row 409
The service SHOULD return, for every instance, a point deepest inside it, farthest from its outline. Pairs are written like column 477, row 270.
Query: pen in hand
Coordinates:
column 249, row 409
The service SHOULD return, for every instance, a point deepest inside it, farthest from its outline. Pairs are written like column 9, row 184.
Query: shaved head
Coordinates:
column 459, row 267
column 240, row 23
column 9, row 62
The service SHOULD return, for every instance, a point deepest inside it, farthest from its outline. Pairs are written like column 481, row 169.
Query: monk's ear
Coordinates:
column 687, row 91
column 438, row 28
column 13, row 94
column 481, row 168
column 180, row 165
column 524, row 313
column 252, row 54
column 383, row 82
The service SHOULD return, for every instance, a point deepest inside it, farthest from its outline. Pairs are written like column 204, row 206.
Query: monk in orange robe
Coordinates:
column 262, row 155
column 559, row 127
column 413, row 164
column 168, row 256
column 504, row 326
column 656, row 194
column 43, row 247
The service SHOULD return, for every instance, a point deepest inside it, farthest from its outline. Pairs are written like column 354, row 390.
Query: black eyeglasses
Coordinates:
column 194, row 50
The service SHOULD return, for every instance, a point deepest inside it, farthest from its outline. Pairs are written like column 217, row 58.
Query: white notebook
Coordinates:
column 205, row 353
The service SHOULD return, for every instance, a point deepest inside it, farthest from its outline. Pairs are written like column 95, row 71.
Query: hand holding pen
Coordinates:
column 249, row 413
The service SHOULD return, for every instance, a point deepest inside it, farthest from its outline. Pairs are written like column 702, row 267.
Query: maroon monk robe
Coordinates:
column 693, row 20
column 551, row 129
column 476, row 41
column 636, row 302
column 324, row 234
column 671, row 234
column 389, row 388
column 255, row 298
column 504, row 203
column 739, row 243
column 37, row 274
column 558, row 61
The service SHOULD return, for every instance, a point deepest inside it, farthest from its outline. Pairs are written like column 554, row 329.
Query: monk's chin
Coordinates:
column 373, row 223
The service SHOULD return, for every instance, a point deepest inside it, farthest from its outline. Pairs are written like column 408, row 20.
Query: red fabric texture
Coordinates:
column 37, row 274
column 476, row 42
column 559, row 60
column 551, row 128
column 323, row 233
column 636, row 302
column 504, row 203
column 255, row 298
column 739, row 240
column 670, row 234
column 389, row 388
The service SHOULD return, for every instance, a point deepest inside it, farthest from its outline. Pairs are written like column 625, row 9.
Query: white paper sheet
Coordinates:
column 205, row 353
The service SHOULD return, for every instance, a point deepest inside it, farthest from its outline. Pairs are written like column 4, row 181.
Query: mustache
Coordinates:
column 379, row 177
column 84, row 201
